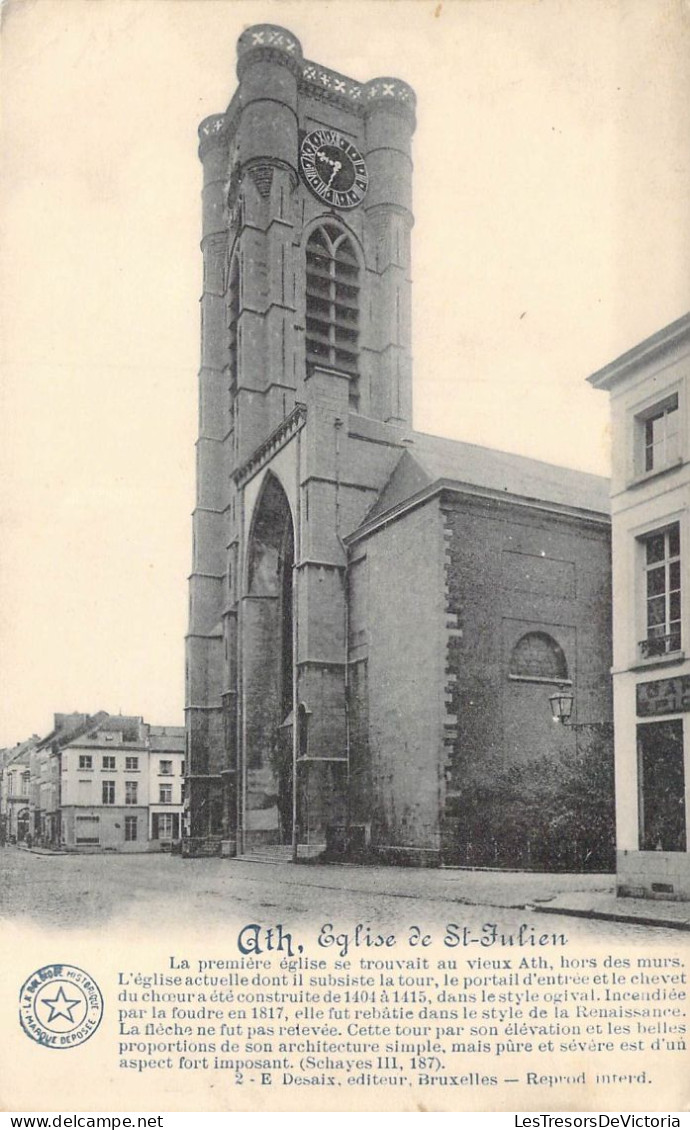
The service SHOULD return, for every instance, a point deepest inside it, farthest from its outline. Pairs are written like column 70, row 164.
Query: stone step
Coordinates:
column 279, row 853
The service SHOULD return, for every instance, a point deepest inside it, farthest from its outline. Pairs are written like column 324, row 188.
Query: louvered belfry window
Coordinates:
column 333, row 302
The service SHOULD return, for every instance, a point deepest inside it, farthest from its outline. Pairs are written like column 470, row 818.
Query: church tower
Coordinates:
column 304, row 410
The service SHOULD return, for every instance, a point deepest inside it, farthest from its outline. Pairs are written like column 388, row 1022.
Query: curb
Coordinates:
column 611, row 916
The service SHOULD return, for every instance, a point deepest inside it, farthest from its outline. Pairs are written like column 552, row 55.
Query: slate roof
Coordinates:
column 69, row 727
column 19, row 754
column 429, row 459
column 170, row 738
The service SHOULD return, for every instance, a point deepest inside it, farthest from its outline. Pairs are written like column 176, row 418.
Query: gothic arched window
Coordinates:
column 538, row 656
column 333, row 303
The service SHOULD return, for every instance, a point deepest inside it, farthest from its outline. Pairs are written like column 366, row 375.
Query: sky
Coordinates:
column 552, row 233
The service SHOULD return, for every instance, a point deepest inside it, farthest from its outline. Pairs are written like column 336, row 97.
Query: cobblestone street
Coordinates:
column 91, row 890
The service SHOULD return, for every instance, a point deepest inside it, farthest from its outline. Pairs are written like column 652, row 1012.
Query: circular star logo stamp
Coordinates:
column 60, row 1006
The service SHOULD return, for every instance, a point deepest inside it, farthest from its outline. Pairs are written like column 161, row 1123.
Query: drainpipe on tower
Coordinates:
column 338, row 424
column 297, row 557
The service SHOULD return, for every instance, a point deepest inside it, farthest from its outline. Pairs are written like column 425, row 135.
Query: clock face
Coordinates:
column 333, row 168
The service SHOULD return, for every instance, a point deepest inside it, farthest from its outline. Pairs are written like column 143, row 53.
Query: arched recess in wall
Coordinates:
column 333, row 302
column 268, row 659
column 271, row 544
column 537, row 657
column 270, row 561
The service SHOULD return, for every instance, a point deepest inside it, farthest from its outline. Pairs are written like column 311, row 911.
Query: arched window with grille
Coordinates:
column 538, row 657
column 332, row 306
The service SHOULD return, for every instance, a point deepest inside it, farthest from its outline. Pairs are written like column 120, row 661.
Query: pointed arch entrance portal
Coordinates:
column 267, row 643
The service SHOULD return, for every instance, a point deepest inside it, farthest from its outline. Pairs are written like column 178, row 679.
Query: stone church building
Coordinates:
column 376, row 615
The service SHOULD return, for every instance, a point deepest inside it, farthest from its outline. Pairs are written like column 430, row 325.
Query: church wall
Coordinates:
column 511, row 571
column 346, row 459
column 204, row 678
column 372, row 451
column 404, row 674
column 262, row 711
column 361, row 779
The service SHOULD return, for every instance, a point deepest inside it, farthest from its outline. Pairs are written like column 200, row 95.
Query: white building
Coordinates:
column 109, row 783
column 166, row 784
column 650, row 416
column 15, row 791
column 104, row 787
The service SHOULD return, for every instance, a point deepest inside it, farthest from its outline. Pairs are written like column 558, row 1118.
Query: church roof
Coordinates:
column 431, row 461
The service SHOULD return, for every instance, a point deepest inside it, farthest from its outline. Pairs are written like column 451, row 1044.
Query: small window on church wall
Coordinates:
column 332, row 303
column 538, row 656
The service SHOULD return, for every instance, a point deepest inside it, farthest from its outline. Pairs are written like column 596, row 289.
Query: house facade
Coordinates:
column 106, row 783
column 650, row 421
column 15, row 791
column 166, row 768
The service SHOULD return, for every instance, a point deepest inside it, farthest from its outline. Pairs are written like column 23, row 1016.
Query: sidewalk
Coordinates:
column 605, row 905
column 580, row 895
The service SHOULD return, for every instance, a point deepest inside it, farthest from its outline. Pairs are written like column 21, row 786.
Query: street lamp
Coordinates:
column 561, row 704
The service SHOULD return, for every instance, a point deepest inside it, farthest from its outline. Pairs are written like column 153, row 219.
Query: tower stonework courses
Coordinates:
column 375, row 615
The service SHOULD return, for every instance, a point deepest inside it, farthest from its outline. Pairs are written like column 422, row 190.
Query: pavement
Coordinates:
column 608, row 906
column 584, row 895
column 579, row 895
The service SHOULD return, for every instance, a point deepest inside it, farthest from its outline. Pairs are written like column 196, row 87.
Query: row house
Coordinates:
column 650, row 501
column 15, row 788
column 106, row 783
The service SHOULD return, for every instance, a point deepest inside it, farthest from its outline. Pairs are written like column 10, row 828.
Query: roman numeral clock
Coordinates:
column 333, row 168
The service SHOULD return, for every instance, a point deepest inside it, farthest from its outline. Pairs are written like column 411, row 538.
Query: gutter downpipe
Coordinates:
column 240, row 684
column 338, row 424
column 297, row 557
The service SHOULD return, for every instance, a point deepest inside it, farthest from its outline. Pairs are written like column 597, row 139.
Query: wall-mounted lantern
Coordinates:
column 561, row 705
